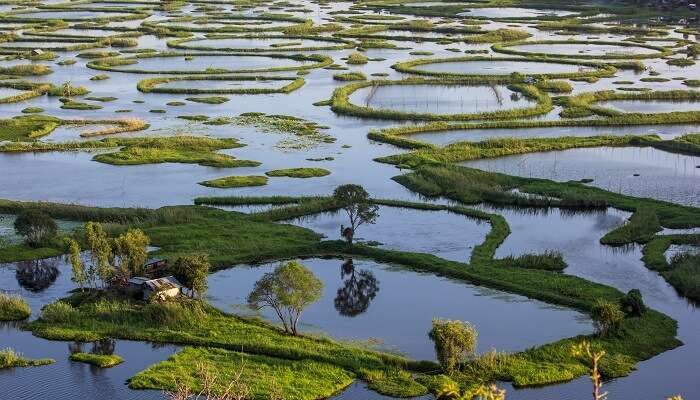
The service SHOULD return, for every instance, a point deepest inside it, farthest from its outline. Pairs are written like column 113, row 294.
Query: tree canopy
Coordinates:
column 288, row 290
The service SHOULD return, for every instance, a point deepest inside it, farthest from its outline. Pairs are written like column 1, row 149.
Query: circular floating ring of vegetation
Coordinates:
column 50, row 34
column 340, row 102
column 114, row 63
column 599, row 70
column 126, row 14
column 506, row 48
column 150, row 85
column 335, row 43
column 583, row 105
column 234, row 28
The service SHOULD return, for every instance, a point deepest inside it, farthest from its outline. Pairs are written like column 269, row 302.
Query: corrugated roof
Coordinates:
column 166, row 283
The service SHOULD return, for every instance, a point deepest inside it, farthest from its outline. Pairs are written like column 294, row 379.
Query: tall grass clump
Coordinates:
column 13, row 308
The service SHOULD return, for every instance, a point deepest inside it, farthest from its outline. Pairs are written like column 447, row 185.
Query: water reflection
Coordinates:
column 357, row 292
column 37, row 275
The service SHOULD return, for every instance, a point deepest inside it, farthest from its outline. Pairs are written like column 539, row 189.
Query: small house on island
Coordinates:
column 164, row 288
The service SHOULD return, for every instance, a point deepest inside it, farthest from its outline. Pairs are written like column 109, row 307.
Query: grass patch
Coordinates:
column 148, row 150
column 236, row 181
column 299, row 172
column 13, row 308
column 98, row 360
column 209, row 100
column 264, row 376
column 151, row 85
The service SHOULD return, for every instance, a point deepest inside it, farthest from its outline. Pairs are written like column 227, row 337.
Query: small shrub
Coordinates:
column 607, row 317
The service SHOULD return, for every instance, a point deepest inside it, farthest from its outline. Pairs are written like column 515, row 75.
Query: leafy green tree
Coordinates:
column 36, row 226
column 454, row 340
column 131, row 251
column 607, row 317
column 288, row 290
column 101, row 255
column 76, row 262
column 192, row 272
column 356, row 203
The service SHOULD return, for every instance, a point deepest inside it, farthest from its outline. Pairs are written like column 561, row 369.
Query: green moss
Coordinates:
column 236, row 181
column 299, row 172
column 98, row 360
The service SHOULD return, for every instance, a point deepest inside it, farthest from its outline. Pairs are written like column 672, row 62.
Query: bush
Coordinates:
column 37, row 227
column 607, row 317
column 454, row 342
column 633, row 304
column 58, row 312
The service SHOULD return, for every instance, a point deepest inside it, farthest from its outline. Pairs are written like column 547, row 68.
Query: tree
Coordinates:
column 454, row 342
column 288, row 290
column 131, row 250
column 607, row 317
column 76, row 262
column 101, row 255
column 633, row 304
column 192, row 272
column 36, row 226
column 356, row 202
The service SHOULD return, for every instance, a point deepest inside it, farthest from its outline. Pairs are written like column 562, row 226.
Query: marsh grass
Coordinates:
column 13, row 308
column 10, row 358
column 236, row 181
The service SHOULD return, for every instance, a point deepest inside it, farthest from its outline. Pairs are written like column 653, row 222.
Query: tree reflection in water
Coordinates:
column 37, row 275
column 103, row 347
column 358, row 290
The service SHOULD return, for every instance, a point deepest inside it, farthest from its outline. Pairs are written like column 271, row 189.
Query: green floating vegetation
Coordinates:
column 597, row 69
column 499, row 147
column 340, row 102
column 27, row 128
column 305, row 134
column 350, row 76
column 148, row 150
column 331, row 43
column 99, row 77
column 507, row 48
column 151, row 85
column 299, row 172
column 98, row 360
column 77, row 105
column 10, row 359
column 641, row 228
column 498, row 35
column 32, row 110
column 13, row 308
column 236, row 181
column 209, row 100
column 117, row 64
column 356, row 58
column 262, row 375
